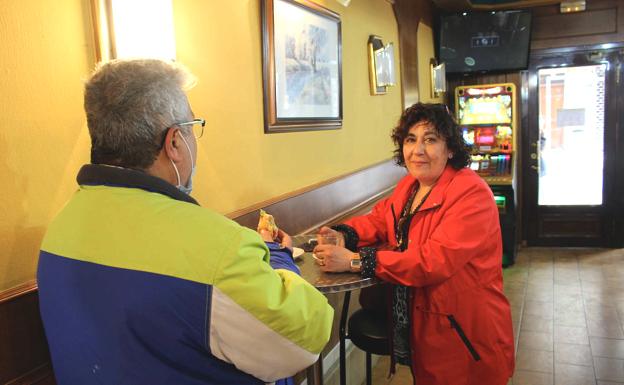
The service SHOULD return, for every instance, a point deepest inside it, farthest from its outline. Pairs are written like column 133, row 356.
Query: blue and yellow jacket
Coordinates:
column 140, row 285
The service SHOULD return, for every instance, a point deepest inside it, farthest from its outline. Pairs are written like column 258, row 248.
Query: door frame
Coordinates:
column 532, row 214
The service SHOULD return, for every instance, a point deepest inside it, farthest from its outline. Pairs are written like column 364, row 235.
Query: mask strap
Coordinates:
column 173, row 164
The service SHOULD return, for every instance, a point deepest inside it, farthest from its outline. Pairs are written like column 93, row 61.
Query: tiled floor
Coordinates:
column 568, row 316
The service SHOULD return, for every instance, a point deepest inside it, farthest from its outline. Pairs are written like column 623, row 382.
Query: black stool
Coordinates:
column 368, row 330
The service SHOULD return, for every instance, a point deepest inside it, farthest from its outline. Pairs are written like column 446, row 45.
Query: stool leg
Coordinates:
column 342, row 336
column 369, row 379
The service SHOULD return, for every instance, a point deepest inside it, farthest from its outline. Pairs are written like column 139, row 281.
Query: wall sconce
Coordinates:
column 133, row 28
column 438, row 78
column 380, row 65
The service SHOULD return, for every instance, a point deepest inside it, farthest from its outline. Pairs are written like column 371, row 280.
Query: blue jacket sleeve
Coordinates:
column 281, row 258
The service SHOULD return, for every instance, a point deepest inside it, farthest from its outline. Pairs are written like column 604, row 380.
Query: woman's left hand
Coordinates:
column 332, row 258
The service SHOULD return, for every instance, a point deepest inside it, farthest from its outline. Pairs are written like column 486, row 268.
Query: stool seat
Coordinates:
column 368, row 330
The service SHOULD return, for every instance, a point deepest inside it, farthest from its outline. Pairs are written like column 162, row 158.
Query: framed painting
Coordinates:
column 302, row 66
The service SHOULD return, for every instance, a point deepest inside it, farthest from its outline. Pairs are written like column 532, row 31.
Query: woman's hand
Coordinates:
column 284, row 239
column 328, row 232
column 333, row 258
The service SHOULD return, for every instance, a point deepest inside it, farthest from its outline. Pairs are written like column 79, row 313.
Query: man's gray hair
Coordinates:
column 129, row 106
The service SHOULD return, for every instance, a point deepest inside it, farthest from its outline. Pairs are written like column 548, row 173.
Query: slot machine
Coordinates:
column 487, row 117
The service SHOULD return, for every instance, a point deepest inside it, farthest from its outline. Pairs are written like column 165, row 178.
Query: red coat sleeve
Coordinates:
column 372, row 228
column 467, row 228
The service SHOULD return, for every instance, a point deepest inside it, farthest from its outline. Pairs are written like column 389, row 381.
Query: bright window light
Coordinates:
column 143, row 28
column 137, row 28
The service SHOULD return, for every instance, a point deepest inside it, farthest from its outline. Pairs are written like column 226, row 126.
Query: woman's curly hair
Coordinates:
column 440, row 117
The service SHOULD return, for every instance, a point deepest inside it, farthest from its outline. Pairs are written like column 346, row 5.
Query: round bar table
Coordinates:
column 328, row 283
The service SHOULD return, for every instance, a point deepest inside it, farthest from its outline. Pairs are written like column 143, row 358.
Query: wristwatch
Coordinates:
column 355, row 263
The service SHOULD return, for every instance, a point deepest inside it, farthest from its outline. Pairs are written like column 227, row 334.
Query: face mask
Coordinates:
column 189, row 186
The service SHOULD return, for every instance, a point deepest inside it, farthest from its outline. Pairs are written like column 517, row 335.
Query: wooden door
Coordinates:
column 569, row 148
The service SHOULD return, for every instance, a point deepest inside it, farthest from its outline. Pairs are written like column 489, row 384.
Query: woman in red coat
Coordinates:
column 451, row 321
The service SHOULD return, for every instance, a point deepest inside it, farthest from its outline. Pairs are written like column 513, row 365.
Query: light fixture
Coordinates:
column 134, row 28
column 344, row 2
column 569, row 6
column 438, row 78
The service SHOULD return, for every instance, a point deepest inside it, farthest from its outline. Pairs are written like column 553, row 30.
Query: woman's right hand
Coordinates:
column 328, row 232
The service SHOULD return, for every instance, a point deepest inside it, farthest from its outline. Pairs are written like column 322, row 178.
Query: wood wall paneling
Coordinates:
column 24, row 356
column 602, row 22
column 306, row 210
column 409, row 14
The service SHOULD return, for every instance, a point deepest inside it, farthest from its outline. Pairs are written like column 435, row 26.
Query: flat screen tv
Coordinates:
column 484, row 41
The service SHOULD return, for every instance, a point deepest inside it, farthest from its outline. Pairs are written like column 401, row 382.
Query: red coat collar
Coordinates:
column 436, row 197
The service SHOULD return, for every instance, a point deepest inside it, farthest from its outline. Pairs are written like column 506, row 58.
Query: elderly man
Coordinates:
column 138, row 283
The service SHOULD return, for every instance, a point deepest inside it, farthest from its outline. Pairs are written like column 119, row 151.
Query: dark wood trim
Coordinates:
column 301, row 191
column 14, row 292
column 601, row 23
column 24, row 355
column 306, row 209
column 42, row 375
column 409, row 14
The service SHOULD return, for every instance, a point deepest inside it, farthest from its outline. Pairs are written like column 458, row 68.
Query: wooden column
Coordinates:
column 409, row 14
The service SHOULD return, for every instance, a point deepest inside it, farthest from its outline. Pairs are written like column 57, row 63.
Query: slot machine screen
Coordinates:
column 481, row 109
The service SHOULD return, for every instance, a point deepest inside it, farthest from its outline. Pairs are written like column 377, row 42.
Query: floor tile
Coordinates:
column 609, row 369
column 525, row 377
column 535, row 340
column 600, row 312
column 570, row 318
column 568, row 289
column 605, row 328
column 568, row 303
column 571, row 334
column 539, row 308
column 534, row 360
column 573, row 354
column 574, row 375
column 607, row 347
column 536, row 324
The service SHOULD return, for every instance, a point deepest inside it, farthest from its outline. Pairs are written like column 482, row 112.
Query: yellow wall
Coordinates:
column 47, row 51
column 238, row 164
column 426, row 51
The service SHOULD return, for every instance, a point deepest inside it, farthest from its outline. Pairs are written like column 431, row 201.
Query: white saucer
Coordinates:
column 297, row 252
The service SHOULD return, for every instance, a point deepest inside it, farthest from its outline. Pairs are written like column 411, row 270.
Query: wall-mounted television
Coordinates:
column 484, row 41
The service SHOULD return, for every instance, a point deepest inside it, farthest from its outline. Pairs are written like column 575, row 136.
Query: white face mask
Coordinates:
column 189, row 186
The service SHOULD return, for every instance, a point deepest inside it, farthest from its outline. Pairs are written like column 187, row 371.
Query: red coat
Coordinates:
column 453, row 266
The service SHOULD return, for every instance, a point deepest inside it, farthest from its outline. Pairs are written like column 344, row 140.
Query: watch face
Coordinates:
column 356, row 262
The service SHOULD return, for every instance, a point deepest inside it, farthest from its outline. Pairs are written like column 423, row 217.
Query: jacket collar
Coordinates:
column 100, row 174
column 436, row 197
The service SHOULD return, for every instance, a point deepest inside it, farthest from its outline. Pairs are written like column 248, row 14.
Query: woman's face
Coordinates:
column 425, row 153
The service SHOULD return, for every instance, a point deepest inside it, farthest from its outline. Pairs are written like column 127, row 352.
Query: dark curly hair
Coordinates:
column 440, row 117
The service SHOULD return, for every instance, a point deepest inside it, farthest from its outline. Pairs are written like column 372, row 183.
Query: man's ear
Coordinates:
column 172, row 144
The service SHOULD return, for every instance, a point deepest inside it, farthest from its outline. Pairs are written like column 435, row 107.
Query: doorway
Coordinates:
column 569, row 149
